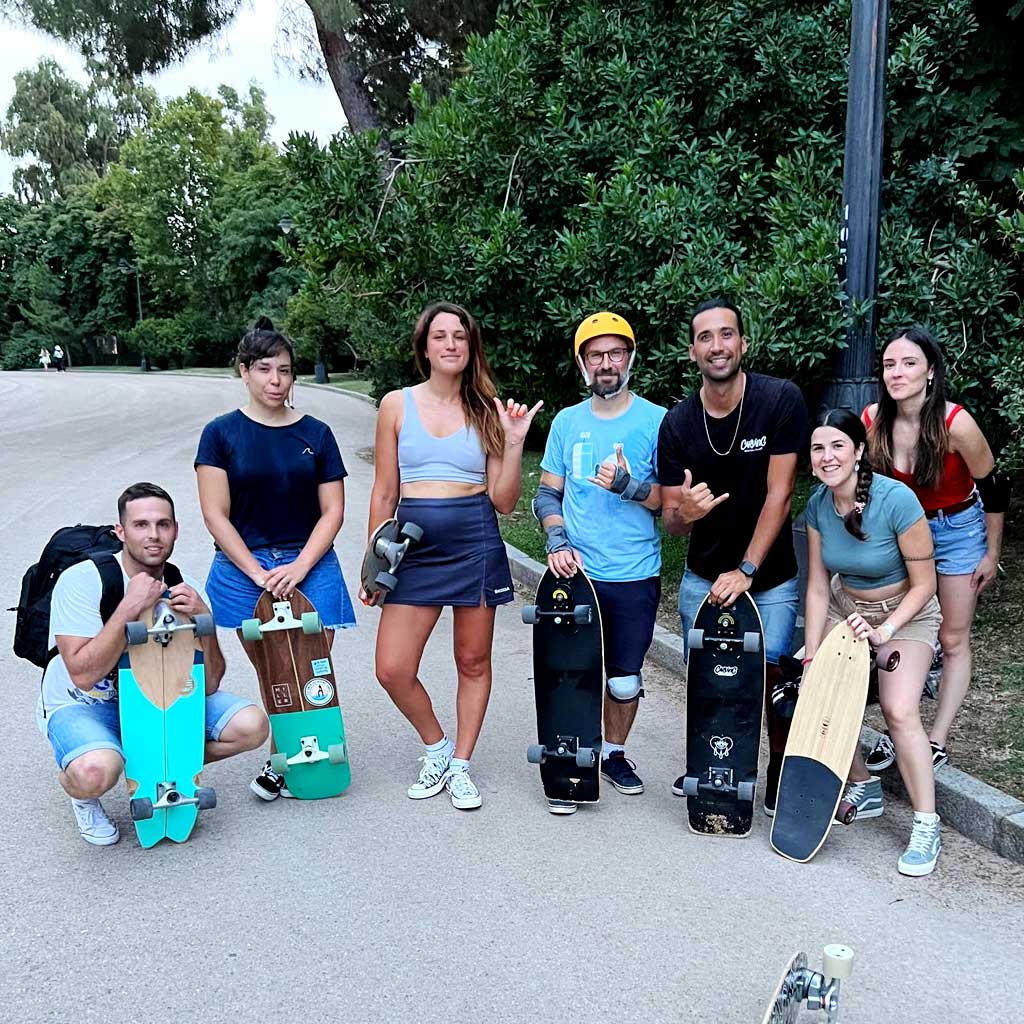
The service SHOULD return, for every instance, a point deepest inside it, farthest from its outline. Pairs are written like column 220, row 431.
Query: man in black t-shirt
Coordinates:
column 727, row 460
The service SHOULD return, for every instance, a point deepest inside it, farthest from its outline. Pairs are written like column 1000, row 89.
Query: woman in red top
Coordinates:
column 938, row 450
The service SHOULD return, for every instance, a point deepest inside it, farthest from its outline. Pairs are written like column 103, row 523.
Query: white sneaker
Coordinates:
column 465, row 796
column 432, row 778
column 93, row 824
column 923, row 849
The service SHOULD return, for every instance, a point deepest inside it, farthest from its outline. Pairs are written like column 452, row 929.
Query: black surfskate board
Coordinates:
column 568, row 679
column 724, row 708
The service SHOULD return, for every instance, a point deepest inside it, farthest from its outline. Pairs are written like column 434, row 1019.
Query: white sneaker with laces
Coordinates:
column 465, row 796
column 93, row 824
column 432, row 778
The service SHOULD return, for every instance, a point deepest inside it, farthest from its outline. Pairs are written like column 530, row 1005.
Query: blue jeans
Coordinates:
column 961, row 541
column 777, row 608
column 75, row 729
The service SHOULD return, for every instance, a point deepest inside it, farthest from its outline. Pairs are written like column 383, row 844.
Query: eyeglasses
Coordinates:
column 616, row 355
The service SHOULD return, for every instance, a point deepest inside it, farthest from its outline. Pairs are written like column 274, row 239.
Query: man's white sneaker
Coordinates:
column 93, row 824
column 465, row 796
column 432, row 778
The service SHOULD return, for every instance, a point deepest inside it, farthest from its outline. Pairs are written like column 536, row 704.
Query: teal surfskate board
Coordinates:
column 291, row 652
column 162, row 695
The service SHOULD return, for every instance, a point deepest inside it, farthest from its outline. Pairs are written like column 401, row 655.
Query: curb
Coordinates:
column 981, row 812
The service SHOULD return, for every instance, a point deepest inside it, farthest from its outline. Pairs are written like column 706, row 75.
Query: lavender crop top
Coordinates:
column 421, row 456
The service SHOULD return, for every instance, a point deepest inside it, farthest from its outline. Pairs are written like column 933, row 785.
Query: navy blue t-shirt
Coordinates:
column 273, row 475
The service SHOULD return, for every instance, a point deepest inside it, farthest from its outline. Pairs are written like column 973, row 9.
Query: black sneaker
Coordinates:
column 883, row 755
column 939, row 756
column 769, row 802
column 268, row 784
column 618, row 770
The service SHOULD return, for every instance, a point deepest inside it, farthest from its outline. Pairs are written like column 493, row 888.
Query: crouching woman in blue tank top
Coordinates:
column 871, row 561
column 448, row 453
column 272, row 492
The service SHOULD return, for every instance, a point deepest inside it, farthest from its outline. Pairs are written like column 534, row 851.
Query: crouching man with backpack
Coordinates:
column 78, row 708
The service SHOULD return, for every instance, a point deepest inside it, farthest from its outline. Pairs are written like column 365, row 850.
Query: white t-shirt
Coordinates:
column 75, row 611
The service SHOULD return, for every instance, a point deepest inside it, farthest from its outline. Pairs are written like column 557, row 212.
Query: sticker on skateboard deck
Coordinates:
column 568, row 679
column 799, row 986
column 286, row 643
column 822, row 739
column 384, row 553
column 162, row 704
column 724, row 708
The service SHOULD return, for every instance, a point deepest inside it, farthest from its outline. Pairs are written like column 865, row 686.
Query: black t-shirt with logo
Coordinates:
column 774, row 423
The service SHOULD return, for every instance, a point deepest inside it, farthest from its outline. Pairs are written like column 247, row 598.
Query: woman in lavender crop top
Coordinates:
column 448, row 454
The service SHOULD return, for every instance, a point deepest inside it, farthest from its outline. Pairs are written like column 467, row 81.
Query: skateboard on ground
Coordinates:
column 286, row 643
column 161, row 683
column 724, row 708
column 384, row 553
column 799, row 985
column 822, row 738
column 568, row 681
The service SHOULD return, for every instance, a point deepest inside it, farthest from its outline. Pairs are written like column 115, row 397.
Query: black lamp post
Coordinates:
column 133, row 268
column 319, row 370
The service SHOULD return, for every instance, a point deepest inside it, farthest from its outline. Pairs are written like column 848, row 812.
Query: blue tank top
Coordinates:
column 421, row 456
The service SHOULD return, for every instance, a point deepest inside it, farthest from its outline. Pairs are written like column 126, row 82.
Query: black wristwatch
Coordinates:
column 748, row 569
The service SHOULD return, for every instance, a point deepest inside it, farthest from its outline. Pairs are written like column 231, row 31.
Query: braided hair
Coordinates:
column 851, row 425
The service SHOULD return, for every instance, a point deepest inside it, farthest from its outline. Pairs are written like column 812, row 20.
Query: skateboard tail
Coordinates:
column 317, row 777
column 809, row 793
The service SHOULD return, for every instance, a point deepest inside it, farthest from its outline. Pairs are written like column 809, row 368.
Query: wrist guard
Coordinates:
column 627, row 488
column 557, row 539
column 994, row 490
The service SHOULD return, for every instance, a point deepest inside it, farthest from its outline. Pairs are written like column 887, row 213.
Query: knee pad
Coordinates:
column 625, row 689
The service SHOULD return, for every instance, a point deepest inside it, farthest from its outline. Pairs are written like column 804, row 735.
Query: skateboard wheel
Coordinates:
column 411, row 532
column 745, row 791
column 583, row 614
column 279, row 763
column 535, row 753
column 251, row 629
column 386, row 581
column 311, row 622
column 695, row 639
column 337, row 753
column 846, row 812
column 585, row 757
column 207, row 797
column 136, row 633
column 690, row 786
column 140, row 808
column 751, row 642
column 205, row 626
column 529, row 614
column 838, row 962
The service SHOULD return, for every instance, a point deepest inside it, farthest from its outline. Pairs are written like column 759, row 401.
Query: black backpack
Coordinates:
column 68, row 546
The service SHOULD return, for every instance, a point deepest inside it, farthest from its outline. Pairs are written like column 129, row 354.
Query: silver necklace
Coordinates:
column 735, row 433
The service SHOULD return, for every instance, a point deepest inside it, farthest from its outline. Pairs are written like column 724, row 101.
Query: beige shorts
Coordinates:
column 923, row 627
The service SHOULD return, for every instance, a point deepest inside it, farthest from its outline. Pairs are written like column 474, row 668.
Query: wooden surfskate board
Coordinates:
column 822, row 740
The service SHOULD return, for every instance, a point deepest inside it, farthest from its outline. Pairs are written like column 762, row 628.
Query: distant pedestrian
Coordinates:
column 58, row 358
column 44, row 358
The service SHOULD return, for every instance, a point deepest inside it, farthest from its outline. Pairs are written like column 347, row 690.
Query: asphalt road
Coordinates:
column 372, row 907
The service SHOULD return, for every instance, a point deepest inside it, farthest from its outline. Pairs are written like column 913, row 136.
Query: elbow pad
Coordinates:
column 994, row 490
column 547, row 502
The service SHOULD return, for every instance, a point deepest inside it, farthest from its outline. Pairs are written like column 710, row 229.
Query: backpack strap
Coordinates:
column 172, row 575
column 112, row 579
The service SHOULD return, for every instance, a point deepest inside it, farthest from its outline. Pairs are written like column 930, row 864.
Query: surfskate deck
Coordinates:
column 822, row 739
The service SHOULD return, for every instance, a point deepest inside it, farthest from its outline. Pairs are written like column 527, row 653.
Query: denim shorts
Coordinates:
column 961, row 541
column 234, row 596
column 628, row 613
column 75, row 729
column 776, row 606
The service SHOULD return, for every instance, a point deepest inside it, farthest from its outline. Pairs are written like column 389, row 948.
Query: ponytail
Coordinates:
column 854, row 519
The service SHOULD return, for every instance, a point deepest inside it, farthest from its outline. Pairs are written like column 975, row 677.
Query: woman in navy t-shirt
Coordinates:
column 271, row 487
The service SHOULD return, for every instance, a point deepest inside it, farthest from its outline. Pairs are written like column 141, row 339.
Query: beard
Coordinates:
column 606, row 386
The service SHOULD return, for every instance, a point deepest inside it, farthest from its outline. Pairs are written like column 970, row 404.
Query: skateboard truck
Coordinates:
column 284, row 618
column 580, row 615
column 166, row 623
column 567, row 748
column 719, row 780
column 167, row 796
column 819, row 990
column 309, row 753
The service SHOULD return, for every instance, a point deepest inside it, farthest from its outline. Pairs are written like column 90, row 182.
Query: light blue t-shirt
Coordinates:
column 891, row 509
column 619, row 540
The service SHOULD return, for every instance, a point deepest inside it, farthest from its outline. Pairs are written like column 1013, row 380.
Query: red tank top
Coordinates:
column 956, row 483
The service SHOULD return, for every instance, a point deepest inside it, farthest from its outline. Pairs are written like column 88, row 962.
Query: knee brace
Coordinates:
column 625, row 689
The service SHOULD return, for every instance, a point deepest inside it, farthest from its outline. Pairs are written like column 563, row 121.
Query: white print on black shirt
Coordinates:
column 753, row 444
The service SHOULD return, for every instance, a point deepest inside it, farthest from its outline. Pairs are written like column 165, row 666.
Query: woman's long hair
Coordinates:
column 853, row 427
column 477, row 388
column 933, row 434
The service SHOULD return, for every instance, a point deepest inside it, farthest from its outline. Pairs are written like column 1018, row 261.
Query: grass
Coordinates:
column 987, row 739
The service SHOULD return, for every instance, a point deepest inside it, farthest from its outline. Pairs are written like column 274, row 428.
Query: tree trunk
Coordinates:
column 346, row 77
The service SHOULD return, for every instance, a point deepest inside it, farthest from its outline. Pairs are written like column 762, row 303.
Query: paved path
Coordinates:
column 374, row 908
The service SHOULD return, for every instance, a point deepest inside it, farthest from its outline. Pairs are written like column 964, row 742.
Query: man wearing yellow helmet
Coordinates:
column 597, row 502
